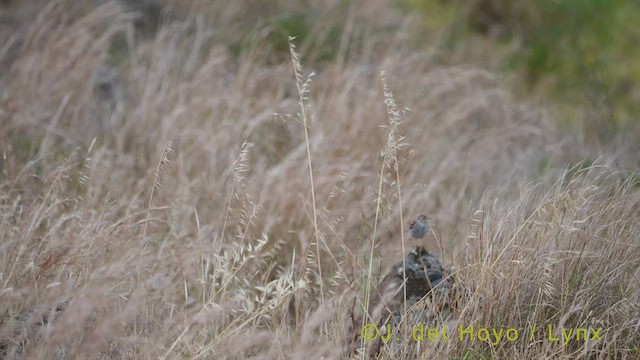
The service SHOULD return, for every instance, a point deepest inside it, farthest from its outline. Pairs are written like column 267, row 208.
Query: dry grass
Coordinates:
column 224, row 243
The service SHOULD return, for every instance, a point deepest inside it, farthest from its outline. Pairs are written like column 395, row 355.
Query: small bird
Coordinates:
column 419, row 228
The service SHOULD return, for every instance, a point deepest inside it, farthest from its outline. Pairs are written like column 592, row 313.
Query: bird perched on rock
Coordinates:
column 419, row 228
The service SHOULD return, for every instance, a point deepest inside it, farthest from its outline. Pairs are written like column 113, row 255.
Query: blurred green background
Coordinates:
column 580, row 55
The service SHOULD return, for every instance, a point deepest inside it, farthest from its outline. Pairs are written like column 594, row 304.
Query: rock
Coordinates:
column 425, row 277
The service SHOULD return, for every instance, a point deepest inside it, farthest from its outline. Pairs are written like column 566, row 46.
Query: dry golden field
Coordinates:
column 175, row 183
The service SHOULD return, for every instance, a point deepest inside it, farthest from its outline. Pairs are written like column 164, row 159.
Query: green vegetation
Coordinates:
column 580, row 55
